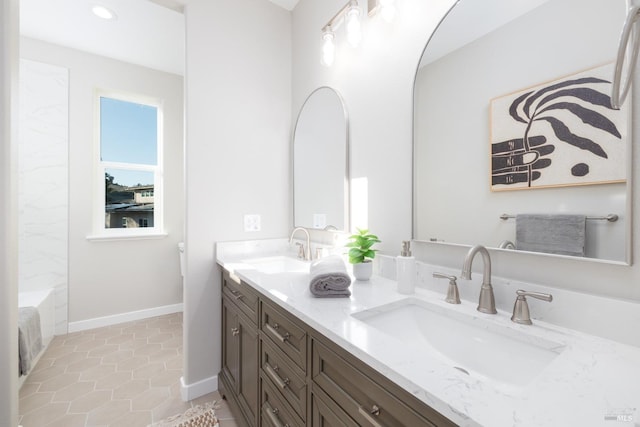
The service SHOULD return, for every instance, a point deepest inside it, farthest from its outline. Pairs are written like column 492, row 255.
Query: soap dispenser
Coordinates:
column 406, row 270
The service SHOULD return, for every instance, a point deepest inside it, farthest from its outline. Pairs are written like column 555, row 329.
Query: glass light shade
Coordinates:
column 354, row 28
column 388, row 10
column 328, row 49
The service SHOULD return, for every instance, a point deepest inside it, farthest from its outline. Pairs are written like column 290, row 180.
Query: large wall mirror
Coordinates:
column 518, row 74
column 321, row 163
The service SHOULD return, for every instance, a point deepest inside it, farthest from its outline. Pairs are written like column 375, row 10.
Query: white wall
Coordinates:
column 114, row 277
column 8, row 212
column 238, row 104
column 377, row 83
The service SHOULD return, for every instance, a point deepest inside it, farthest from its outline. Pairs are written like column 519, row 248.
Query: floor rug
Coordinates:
column 198, row 416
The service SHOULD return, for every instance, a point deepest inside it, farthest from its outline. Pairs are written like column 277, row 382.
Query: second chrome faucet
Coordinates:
column 486, row 302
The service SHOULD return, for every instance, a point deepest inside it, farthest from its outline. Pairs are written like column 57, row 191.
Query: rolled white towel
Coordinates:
column 329, row 278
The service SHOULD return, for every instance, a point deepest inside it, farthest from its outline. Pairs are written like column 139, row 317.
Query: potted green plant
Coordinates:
column 361, row 253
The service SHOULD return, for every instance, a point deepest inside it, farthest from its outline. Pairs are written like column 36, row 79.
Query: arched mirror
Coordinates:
column 512, row 122
column 321, row 163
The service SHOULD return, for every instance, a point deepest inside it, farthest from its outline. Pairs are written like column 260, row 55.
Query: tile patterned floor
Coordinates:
column 123, row 375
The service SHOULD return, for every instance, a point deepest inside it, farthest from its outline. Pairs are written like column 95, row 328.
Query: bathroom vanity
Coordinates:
column 292, row 359
column 277, row 370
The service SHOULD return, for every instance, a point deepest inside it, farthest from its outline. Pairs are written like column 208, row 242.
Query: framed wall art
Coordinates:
column 560, row 133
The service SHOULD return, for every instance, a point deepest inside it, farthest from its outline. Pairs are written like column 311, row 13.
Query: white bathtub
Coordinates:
column 44, row 301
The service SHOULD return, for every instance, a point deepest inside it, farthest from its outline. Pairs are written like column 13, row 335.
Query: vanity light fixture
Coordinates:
column 328, row 48
column 354, row 29
column 349, row 13
column 104, row 12
column 386, row 8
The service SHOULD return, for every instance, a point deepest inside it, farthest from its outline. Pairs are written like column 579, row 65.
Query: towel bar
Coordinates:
column 610, row 217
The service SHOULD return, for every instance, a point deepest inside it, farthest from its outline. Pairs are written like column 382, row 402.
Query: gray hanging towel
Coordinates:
column 553, row 234
column 29, row 337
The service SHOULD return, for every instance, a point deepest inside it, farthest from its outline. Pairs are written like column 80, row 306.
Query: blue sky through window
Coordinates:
column 130, row 178
column 128, row 134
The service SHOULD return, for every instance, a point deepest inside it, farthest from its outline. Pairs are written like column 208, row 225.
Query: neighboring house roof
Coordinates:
column 129, row 207
column 140, row 188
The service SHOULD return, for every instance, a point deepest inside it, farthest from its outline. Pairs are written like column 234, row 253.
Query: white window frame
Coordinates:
column 100, row 168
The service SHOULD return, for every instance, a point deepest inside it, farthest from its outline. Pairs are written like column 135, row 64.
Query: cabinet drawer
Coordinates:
column 283, row 331
column 362, row 398
column 275, row 412
column 325, row 412
column 243, row 295
column 285, row 377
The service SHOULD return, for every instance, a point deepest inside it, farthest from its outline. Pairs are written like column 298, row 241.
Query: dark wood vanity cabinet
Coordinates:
column 277, row 371
column 239, row 380
column 283, row 367
column 362, row 394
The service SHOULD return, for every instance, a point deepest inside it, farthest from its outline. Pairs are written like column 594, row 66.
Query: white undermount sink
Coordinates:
column 471, row 344
column 278, row 264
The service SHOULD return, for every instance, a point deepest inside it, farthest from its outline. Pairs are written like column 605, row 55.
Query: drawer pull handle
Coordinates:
column 274, row 331
column 235, row 331
column 237, row 295
column 370, row 414
column 273, row 415
column 273, row 373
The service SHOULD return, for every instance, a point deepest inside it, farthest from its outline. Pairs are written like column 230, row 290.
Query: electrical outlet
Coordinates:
column 252, row 222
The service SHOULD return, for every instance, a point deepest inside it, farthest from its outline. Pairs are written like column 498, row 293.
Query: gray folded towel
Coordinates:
column 329, row 278
column 554, row 234
column 29, row 337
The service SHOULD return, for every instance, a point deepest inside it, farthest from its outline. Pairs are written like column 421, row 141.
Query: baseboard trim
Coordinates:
column 115, row 319
column 197, row 389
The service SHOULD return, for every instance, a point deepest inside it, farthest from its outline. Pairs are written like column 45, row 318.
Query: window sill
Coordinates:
column 114, row 237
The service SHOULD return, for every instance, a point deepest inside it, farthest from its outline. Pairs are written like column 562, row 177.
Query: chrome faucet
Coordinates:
column 302, row 252
column 486, row 302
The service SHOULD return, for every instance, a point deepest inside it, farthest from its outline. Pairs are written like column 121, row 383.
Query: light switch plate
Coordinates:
column 319, row 220
column 252, row 222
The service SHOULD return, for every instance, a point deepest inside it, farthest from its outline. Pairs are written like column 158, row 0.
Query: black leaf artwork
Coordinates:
column 581, row 169
column 520, row 160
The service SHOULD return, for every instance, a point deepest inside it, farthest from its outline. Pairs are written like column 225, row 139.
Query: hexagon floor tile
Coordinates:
column 120, row 375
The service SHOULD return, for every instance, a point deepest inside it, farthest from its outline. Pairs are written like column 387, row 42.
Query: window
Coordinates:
column 130, row 167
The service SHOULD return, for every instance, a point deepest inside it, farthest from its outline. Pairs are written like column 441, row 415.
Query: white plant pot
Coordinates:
column 363, row 270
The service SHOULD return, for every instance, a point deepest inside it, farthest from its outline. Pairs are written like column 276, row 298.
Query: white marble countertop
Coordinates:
column 592, row 382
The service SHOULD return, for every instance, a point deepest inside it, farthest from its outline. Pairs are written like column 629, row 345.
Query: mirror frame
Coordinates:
column 347, row 178
column 628, row 259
